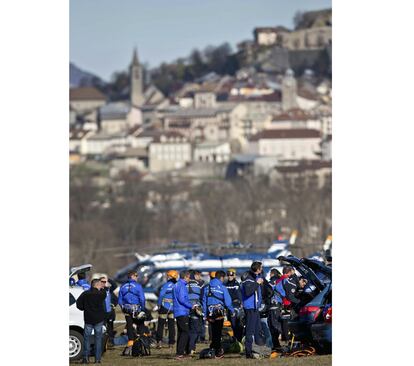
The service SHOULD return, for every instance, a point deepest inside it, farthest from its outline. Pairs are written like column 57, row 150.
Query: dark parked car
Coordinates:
column 313, row 324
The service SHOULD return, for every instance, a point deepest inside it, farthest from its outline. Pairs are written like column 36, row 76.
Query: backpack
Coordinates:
column 207, row 353
column 231, row 345
column 140, row 348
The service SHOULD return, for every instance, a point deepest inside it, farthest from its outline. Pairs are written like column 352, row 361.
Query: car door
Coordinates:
column 79, row 269
column 323, row 272
column 304, row 270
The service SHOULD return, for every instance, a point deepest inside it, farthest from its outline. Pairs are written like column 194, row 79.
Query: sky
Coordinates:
column 103, row 33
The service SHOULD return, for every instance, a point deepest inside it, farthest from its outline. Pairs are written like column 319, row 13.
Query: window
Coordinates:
column 72, row 299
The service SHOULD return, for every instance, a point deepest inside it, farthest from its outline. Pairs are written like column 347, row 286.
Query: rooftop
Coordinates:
column 114, row 110
column 85, row 93
column 295, row 114
column 298, row 133
column 200, row 112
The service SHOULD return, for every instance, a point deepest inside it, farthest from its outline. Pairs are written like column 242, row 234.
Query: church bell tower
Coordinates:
column 136, row 82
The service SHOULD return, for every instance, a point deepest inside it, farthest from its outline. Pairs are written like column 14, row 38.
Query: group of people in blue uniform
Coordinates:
column 185, row 302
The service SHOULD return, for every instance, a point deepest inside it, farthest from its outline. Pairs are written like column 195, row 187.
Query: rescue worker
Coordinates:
column 287, row 286
column 165, row 309
column 275, row 320
column 196, row 315
column 202, row 329
column 212, row 275
column 181, row 308
column 82, row 281
column 291, row 286
column 109, row 286
column 132, row 302
column 274, row 276
column 252, row 299
column 267, row 291
column 233, row 287
column 216, row 299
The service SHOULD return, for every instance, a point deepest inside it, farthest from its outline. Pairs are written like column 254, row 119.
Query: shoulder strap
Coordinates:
column 211, row 294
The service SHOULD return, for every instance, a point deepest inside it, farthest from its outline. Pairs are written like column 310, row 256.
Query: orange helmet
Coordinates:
column 173, row 274
column 212, row 274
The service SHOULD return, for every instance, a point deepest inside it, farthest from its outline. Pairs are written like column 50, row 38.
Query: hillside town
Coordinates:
column 269, row 121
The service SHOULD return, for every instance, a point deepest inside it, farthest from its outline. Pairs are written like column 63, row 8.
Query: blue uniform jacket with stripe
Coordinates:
column 218, row 295
column 131, row 293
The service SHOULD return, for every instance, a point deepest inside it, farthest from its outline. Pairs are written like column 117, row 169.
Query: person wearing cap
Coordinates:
column 165, row 309
column 132, row 302
column 233, row 286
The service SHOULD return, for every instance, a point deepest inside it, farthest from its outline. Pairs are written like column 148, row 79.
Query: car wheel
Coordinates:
column 75, row 345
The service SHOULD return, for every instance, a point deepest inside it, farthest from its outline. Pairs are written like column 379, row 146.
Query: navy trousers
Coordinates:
column 253, row 329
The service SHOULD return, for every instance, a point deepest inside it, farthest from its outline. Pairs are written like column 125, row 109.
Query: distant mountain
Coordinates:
column 79, row 78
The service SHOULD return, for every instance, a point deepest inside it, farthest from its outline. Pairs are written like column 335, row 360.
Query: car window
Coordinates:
column 320, row 298
column 72, row 299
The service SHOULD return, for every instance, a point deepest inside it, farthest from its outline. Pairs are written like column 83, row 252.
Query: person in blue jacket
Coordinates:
column 252, row 300
column 182, row 307
column 82, row 282
column 196, row 316
column 132, row 302
column 216, row 299
column 165, row 309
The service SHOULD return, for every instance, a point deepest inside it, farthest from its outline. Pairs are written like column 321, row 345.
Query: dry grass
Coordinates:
column 165, row 357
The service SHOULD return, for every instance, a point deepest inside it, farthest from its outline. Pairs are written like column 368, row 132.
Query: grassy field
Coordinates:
column 165, row 357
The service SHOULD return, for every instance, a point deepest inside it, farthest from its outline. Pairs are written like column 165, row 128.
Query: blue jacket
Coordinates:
column 216, row 293
column 166, row 295
column 84, row 284
column 251, row 291
column 194, row 292
column 181, row 303
column 131, row 293
column 108, row 300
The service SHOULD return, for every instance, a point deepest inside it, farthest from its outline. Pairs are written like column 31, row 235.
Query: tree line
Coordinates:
column 135, row 215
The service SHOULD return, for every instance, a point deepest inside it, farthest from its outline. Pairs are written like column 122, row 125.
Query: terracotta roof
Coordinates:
column 86, row 93
column 295, row 114
column 273, row 97
column 297, row 133
column 308, row 94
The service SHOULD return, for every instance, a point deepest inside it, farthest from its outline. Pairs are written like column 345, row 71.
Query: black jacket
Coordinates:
column 92, row 303
column 235, row 292
column 291, row 287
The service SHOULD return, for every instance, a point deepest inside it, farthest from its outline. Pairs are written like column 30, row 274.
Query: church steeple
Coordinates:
column 135, row 57
column 136, row 82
